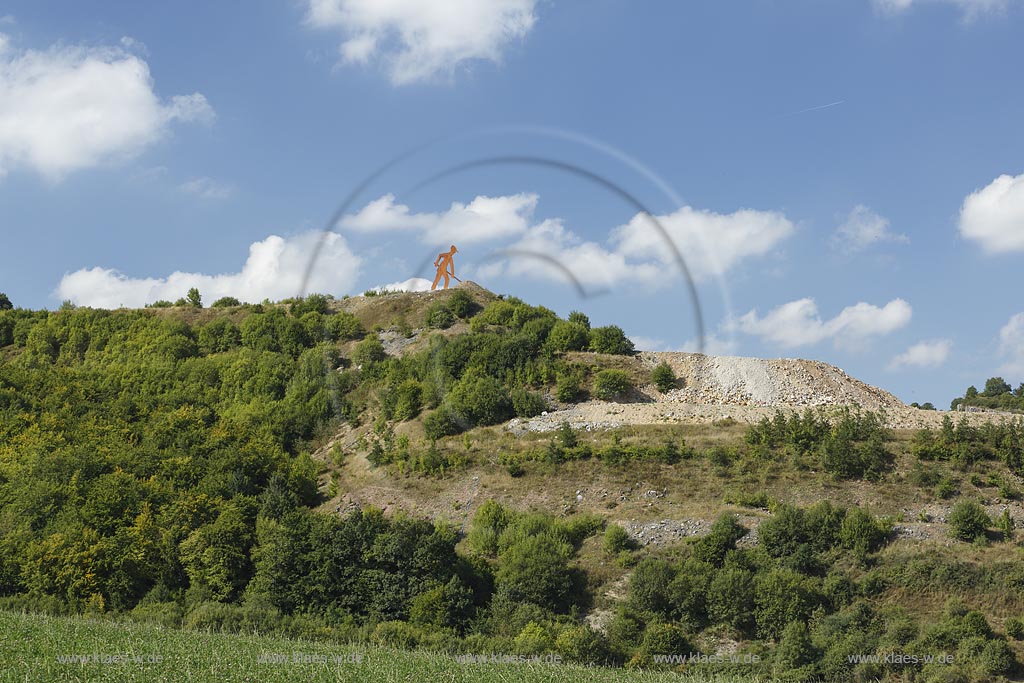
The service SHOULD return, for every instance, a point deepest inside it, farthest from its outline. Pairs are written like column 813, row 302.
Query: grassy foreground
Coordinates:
column 31, row 645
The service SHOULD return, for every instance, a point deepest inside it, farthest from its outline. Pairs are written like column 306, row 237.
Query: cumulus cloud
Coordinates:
column 413, row 284
column 862, row 228
column 68, row 108
column 206, row 188
column 484, row 218
column 273, row 270
column 798, row 323
column 1011, row 345
column 415, row 40
column 710, row 243
column 926, row 354
column 994, row 215
column 971, row 8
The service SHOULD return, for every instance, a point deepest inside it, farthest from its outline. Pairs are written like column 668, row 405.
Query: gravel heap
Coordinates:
column 731, row 380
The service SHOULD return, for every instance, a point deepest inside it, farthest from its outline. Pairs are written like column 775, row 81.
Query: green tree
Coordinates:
column 611, row 384
column 536, row 569
column 194, row 298
column 579, row 319
column 5, row 303
column 663, row 377
column 611, row 339
column 370, row 350
column 996, row 386
column 968, row 521
column 226, row 302
column 568, row 336
column 730, row 598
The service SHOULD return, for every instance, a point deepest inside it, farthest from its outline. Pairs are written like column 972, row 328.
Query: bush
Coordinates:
column 795, row 648
column 861, row 532
column 968, row 521
column 461, row 304
column 440, row 424
column 440, row 317
column 368, row 351
column 1015, row 628
column 226, row 302
column 569, row 387
column 616, row 539
column 730, row 598
column 722, row 538
column 611, row 339
column 663, row 377
column 344, row 326
column 479, row 399
column 611, row 384
column 568, row 336
column 996, row 659
column 665, row 639
column 536, row 569
column 527, row 403
column 579, row 319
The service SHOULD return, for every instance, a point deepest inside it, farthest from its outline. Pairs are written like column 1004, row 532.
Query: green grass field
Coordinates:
column 32, row 646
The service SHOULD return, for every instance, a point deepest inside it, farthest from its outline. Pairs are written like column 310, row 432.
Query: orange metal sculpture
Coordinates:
column 445, row 267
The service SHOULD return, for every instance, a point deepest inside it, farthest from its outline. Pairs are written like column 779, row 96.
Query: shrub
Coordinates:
column 611, row 339
column 720, row 540
column 795, row 648
column 343, row 326
column 665, row 639
column 194, row 298
column 968, row 521
column 781, row 596
column 527, row 403
column 461, row 304
column 581, row 644
column 536, row 569
column 616, row 539
column 369, row 351
column 996, row 659
column 440, row 424
column 730, row 598
column 663, row 377
column 1015, row 628
column 611, row 384
column 579, row 319
column 568, row 336
column 569, row 387
column 861, row 532
column 226, row 302
column 440, row 317
column 479, row 399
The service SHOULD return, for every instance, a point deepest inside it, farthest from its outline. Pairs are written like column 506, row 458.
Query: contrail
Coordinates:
column 823, row 106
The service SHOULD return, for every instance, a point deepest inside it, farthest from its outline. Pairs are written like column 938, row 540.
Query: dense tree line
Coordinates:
column 997, row 395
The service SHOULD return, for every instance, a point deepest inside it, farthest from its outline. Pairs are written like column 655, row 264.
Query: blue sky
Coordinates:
column 844, row 179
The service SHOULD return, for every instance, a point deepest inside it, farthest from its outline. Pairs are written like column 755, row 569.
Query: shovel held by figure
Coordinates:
column 445, row 268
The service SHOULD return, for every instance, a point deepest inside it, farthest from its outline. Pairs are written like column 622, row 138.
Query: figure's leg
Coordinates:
column 436, row 280
column 446, row 280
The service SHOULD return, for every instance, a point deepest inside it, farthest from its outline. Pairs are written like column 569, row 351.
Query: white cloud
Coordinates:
column 713, row 345
column 68, row 108
column 994, row 215
column 413, row 284
column 971, row 8
column 798, row 323
column 710, row 243
column 862, row 228
column 484, row 218
column 206, row 188
column 273, row 270
column 1011, row 345
column 416, row 40
column 926, row 354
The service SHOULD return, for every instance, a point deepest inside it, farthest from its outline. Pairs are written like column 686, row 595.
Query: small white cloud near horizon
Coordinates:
column 863, row 228
column 482, row 219
column 206, row 188
column 713, row 345
column 71, row 107
column 971, row 9
column 273, row 270
column 994, row 215
column 413, row 284
column 1011, row 345
column 925, row 354
column 421, row 41
column 798, row 323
